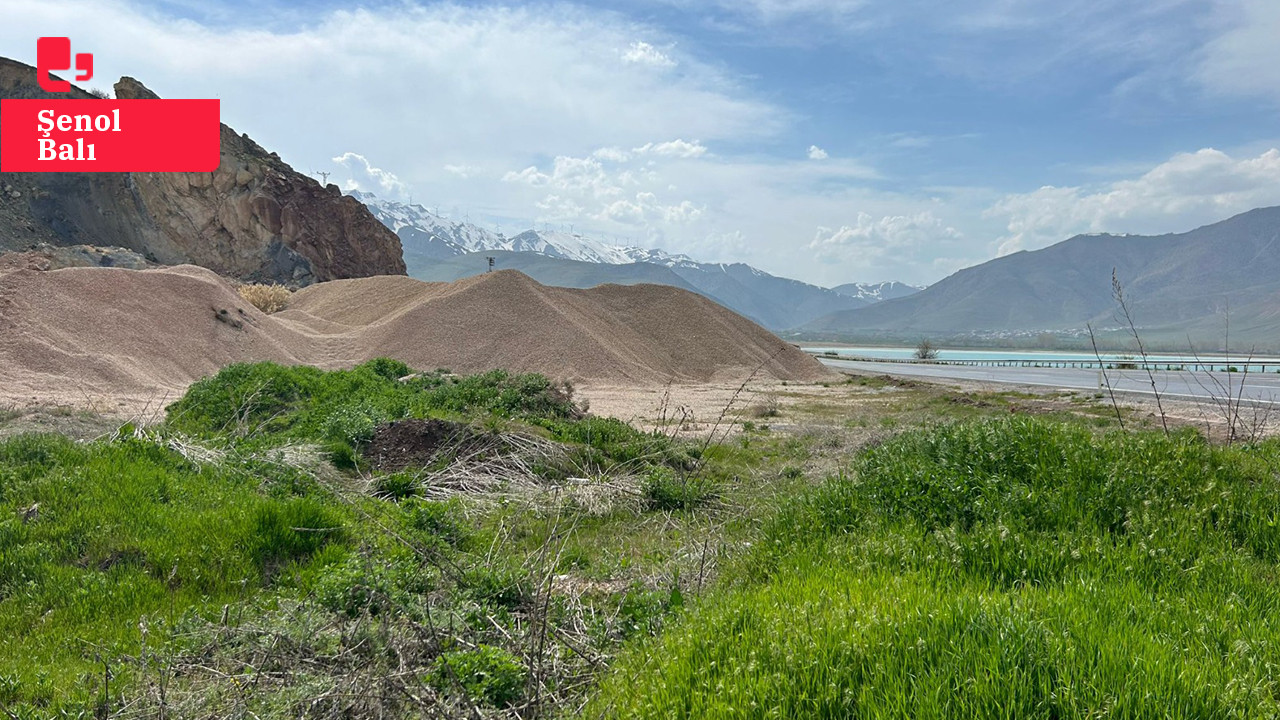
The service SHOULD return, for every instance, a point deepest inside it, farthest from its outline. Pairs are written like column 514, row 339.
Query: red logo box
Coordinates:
column 109, row 135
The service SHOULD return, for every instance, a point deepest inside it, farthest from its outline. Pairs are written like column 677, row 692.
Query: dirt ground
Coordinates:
column 721, row 408
column 868, row 400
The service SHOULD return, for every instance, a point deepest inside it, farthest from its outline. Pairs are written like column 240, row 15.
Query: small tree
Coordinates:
column 926, row 350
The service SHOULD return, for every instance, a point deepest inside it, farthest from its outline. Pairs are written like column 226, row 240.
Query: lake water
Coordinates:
column 905, row 353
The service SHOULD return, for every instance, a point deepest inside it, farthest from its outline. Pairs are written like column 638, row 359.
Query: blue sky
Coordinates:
column 828, row 140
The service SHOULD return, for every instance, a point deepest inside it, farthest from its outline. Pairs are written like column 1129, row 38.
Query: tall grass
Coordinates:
column 1012, row 568
column 99, row 540
column 122, row 530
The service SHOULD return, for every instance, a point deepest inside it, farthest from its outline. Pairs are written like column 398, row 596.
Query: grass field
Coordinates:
column 297, row 543
column 995, row 568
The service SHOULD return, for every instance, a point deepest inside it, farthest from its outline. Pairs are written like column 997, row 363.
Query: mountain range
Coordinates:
column 876, row 292
column 1193, row 286
column 438, row 249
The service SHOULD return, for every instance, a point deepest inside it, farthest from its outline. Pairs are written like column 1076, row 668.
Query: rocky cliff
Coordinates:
column 254, row 218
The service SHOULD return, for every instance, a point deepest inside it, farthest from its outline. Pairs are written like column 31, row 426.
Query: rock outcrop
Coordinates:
column 254, row 218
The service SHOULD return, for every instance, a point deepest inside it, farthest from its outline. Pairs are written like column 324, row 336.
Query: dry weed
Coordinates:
column 267, row 298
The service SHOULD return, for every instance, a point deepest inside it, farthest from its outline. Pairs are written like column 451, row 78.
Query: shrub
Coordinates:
column 765, row 409
column 396, row 486
column 500, row 587
column 497, row 392
column 440, row 520
column 243, row 396
column 388, row 368
column 665, row 489
column 262, row 399
column 342, row 455
column 489, row 675
column 354, row 424
column 360, row 584
column 926, row 350
column 267, row 298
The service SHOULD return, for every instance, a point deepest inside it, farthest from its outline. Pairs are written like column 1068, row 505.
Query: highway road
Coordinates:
column 1258, row 387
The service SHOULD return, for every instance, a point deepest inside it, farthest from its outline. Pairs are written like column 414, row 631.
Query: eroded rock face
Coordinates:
column 254, row 218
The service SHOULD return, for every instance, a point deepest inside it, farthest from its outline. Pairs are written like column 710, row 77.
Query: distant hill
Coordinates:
column 438, row 249
column 876, row 292
column 1177, row 284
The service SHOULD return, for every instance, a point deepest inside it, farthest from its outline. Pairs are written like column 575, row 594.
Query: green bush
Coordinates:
column 353, row 424
column 264, row 400
column 388, row 368
column 497, row 586
column 397, row 486
column 440, row 520
column 361, row 584
column 489, row 675
column 666, row 489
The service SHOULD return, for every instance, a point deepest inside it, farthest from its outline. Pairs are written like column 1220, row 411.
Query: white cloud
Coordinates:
column 387, row 184
column 529, row 175
column 773, row 11
column 870, row 239
column 673, row 148
column 555, row 208
column 1188, row 190
column 817, row 153
column 493, row 86
column 1245, row 58
column 910, row 141
column 646, row 207
column 462, row 171
column 612, row 154
column 581, row 176
column 645, row 54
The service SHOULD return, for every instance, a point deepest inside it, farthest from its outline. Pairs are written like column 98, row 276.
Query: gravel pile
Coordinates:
column 109, row 331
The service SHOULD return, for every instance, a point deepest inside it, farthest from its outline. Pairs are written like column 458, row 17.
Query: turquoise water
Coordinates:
column 905, row 353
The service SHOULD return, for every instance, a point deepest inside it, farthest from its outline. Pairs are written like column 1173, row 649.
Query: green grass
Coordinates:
column 123, row 530
column 270, row 402
column 1012, row 568
column 101, row 539
column 989, row 568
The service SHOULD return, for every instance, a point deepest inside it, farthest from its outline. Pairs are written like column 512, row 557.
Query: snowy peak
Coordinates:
column 417, row 225
column 422, row 230
column 876, row 292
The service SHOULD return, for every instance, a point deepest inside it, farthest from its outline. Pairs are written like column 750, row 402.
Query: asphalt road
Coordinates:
column 1185, row 385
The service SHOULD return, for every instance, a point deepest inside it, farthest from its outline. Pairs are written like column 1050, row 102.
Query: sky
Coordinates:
column 831, row 141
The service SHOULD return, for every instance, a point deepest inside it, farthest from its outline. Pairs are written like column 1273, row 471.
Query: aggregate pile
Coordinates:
column 113, row 331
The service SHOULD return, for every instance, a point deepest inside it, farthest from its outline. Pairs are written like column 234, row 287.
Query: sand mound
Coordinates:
column 114, row 331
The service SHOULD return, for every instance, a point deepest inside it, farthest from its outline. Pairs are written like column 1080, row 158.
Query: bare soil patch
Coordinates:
column 418, row 443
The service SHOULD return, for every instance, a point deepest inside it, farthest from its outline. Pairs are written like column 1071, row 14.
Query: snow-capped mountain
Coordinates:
column 876, row 292
column 439, row 249
column 444, row 238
